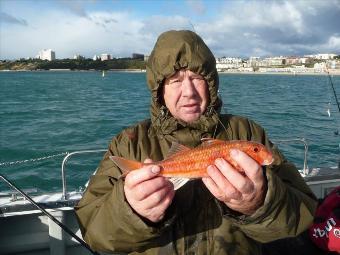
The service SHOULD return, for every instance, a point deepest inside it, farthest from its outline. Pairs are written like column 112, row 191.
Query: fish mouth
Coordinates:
column 268, row 161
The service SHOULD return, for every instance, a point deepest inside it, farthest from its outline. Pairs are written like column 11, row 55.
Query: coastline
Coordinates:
column 78, row 70
column 335, row 72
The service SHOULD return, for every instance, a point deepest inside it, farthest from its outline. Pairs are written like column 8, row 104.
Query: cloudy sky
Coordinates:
column 230, row 28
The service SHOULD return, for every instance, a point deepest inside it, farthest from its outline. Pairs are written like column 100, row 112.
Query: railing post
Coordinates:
column 303, row 140
column 63, row 164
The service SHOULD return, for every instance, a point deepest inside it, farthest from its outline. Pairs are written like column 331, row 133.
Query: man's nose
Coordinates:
column 188, row 87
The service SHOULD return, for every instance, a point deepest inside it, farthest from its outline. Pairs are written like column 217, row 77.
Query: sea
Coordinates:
column 46, row 114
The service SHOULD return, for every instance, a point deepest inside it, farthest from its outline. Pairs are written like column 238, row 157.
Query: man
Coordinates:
column 225, row 213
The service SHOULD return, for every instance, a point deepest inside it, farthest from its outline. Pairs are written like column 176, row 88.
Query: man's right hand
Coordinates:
column 147, row 193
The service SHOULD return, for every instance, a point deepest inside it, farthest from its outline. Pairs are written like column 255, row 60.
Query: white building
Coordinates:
column 323, row 56
column 333, row 64
column 46, row 54
column 320, row 67
column 228, row 63
column 273, row 61
column 78, row 56
column 105, row 56
column 253, row 62
column 304, row 60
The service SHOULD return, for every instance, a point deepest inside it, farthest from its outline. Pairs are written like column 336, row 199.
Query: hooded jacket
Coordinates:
column 195, row 222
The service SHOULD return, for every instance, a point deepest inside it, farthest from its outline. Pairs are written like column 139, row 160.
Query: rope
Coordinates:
column 11, row 163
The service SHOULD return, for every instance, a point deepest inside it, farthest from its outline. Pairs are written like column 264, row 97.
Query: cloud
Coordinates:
column 334, row 42
column 236, row 28
column 157, row 24
column 119, row 35
column 74, row 6
column 77, row 7
column 279, row 27
column 105, row 20
column 196, row 6
column 6, row 18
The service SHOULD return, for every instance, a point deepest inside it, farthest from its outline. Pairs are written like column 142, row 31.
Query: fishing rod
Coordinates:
column 337, row 102
column 332, row 85
column 336, row 132
column 64, row 227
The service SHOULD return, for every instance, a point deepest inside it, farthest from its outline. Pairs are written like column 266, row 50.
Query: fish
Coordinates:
column 192, row 163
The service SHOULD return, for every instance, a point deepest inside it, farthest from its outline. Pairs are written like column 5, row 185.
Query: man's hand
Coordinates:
column 243, row 192
column 147, row 193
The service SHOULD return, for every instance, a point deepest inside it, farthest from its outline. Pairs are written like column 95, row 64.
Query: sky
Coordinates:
column 121, row 27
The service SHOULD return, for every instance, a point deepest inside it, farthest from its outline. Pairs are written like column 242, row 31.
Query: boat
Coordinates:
column 42, row 223
column 46, row 223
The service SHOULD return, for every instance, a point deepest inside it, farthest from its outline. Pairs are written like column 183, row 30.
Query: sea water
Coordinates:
column 45, row 114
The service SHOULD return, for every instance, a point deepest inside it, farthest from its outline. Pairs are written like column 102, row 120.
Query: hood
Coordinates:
column 173, row 51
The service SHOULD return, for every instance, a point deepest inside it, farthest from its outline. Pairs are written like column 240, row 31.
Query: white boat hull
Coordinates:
column 27, row 231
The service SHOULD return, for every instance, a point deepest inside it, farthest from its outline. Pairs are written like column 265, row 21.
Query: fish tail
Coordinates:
column 126, row 165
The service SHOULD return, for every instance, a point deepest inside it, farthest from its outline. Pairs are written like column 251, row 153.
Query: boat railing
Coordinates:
column 15, row 195
column 68, row 155
column 63, row 166
column 305, row 169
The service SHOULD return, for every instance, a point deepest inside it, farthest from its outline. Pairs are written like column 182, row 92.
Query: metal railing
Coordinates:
column 49, row 215
column 302, row 140
column 63, row 171
column 63, row 164
column 68, row 155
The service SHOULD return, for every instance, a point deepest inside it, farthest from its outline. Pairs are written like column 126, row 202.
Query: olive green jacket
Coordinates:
column 195, row 222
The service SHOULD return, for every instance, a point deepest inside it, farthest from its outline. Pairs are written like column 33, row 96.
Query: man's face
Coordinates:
column 186, row 95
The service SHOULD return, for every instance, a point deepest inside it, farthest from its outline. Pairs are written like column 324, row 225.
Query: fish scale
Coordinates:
column 192, row 165
column 184, row 162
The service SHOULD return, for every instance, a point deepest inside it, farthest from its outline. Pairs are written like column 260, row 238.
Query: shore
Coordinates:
column 77, row 70
column 331, row 71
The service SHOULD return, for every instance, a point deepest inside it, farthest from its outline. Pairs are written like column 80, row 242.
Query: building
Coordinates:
column 292, row 60
column 137, row 56
column 104, row 57
column 78, row 56
column 322, row 56
column 253, row 62
column 274, row 61
column 305, row 60
column 46, row 55
column 333, row 64
column 325, row 56
column 225, row 63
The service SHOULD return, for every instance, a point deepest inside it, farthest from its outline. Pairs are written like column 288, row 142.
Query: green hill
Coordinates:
column 73, row 64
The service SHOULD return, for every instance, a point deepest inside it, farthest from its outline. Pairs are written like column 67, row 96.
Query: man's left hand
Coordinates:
column 243, row 192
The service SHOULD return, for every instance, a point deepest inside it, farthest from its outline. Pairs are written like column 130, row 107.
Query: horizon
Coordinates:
column 120, row 28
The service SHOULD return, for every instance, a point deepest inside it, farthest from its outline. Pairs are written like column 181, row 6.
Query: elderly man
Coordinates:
column 225, row 213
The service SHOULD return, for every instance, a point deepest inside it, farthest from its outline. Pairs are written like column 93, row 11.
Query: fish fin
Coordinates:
column 176, row 148
column 125, row 165
column 178, row 182
column 210, row 141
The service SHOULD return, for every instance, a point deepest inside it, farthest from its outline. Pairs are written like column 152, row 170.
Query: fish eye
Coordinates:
column 256, row 149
